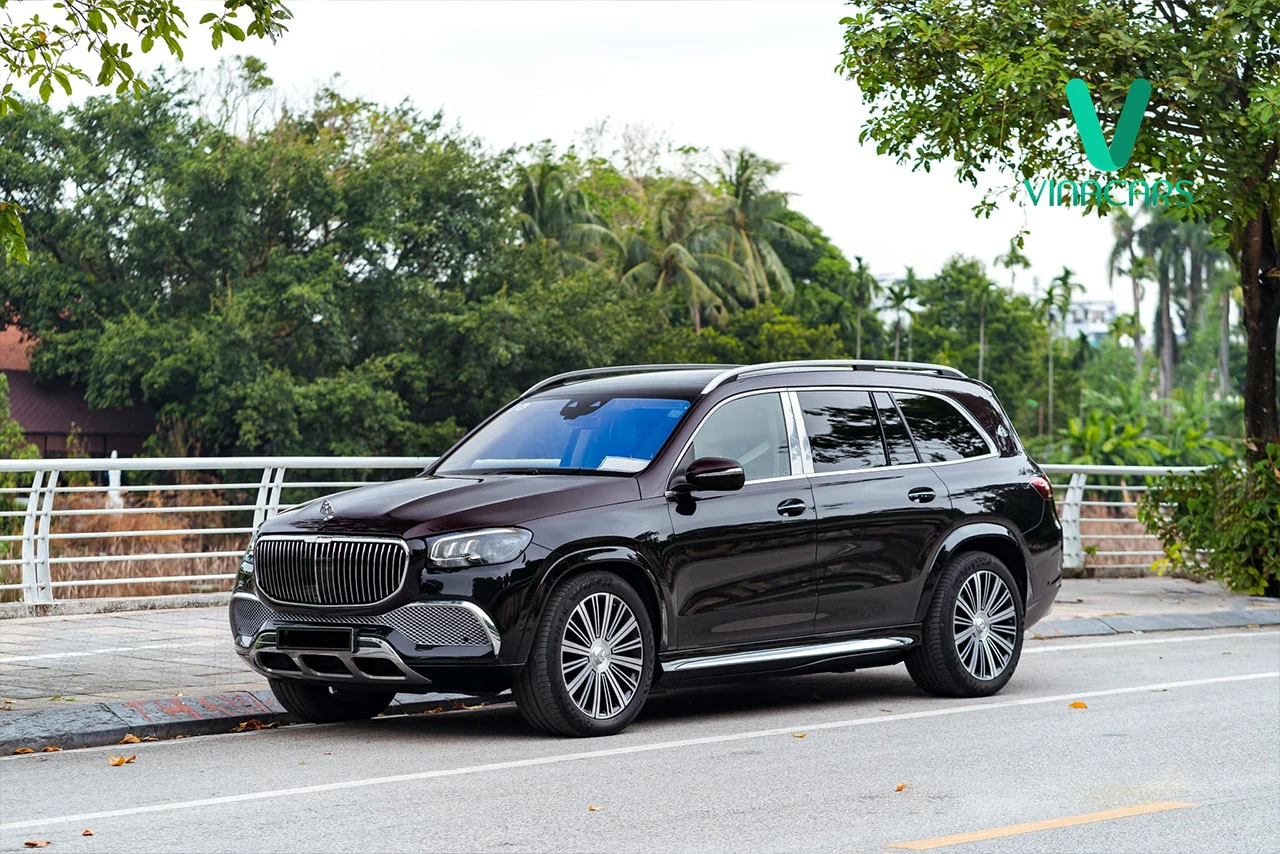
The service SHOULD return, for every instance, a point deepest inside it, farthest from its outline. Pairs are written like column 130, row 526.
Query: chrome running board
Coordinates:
column 788, row 653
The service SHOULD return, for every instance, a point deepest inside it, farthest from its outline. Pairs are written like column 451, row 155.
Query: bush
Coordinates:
column 1223, row 523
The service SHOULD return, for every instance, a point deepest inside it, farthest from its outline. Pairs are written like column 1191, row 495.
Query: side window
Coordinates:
column 842, row 428
column 752, row 431
column 941, row 432
column 896, row 438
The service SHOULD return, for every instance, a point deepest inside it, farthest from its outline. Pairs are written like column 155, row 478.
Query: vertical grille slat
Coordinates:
column 323, row 571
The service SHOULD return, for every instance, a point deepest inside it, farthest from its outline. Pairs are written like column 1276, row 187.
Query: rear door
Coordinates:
column 879, row 508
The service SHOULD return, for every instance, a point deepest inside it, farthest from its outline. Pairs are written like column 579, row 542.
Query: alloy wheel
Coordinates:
column 602, row 655
column 986, row 625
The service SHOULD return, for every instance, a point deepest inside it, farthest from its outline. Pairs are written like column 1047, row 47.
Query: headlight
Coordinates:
column 477, row 548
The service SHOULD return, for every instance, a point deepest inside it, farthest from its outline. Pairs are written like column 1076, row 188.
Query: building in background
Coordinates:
column 49, row 414
column 1092, row 318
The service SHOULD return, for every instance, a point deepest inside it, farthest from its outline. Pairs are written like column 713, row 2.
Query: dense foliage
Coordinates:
column 1221, row 522
column 981, row 86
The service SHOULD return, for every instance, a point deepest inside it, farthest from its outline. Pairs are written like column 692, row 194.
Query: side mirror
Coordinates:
column 715, row 473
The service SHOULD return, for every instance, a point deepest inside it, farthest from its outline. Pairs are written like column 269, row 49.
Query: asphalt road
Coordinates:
column 1178, row 750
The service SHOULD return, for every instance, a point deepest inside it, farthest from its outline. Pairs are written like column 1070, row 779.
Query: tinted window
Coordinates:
column 584, row 433
column 750, row 430
column 842, row 428
column 941, row 432
column 896, row 437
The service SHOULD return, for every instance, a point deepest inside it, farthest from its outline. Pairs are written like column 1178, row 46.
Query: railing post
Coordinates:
column 268, row 503
column 30, row 587
column 277, row 486
column 1072, row 545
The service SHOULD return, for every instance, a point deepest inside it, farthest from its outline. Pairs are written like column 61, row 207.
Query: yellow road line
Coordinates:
column 1047, row 824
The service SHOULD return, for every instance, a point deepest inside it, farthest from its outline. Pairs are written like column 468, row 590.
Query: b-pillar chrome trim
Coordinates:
column 788, row 653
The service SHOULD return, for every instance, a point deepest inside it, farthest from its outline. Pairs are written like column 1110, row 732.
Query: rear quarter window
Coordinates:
column 941, row 431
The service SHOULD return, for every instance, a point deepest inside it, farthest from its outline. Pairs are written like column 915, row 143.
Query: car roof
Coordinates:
column 679, row 385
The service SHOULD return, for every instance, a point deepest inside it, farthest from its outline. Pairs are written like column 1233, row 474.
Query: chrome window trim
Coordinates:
column 345, row 538
column 792, row 453
column 807, row 452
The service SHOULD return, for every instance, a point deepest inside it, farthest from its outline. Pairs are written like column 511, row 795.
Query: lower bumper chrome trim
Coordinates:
column 365, row 648
column 788, row 653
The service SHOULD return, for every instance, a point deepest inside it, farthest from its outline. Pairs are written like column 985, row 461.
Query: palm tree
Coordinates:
column 1057, row 302
column 554, row 210
column 898, row 297
column 1162, row 244
column 863, row 289
column 1123, row 253
column 682, row 250
column 1013, row 260
column 982, row 294
column 748, row 215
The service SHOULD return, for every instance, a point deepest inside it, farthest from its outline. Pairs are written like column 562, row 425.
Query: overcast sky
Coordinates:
column 721, row 74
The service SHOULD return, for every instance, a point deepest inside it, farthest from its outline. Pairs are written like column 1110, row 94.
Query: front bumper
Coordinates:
column 408, row 648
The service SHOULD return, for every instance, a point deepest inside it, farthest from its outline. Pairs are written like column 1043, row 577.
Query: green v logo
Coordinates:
column 1104, row 157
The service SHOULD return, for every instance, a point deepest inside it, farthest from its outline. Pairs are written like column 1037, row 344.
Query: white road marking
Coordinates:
column 182, row 644
column 619, row 751
column 1256, row 633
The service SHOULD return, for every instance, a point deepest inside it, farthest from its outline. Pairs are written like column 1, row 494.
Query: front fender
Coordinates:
column 558, row 566
column 954, row 542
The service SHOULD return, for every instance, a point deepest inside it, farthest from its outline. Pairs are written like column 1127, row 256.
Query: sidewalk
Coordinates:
column 86, row 679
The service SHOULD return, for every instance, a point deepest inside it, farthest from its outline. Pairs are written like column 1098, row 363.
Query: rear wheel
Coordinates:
column 322, row 704
column 592, row 660
column 972, row 633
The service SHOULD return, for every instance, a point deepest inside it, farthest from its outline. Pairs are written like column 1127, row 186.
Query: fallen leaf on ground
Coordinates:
column 149, row 738
column 86, row 833
column 799, row 735
column 900, row 787
column 37, row 843
column 1077, row 705
column 254, row 724
column 22, row 750
column 303, row 762
column 434, row 711
column 1252, row 626
column 590, row 808
column 119, row 760
column 50, row 749
column 130, row 738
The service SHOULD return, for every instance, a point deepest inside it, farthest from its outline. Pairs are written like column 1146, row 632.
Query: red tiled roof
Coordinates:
column 53, row 410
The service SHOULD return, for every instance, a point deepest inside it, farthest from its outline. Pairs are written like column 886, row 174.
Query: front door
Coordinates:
column 879, row 510
column 742, row 562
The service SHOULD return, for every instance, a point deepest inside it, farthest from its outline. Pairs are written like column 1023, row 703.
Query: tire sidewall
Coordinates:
column 575, row 590
column 965, row 567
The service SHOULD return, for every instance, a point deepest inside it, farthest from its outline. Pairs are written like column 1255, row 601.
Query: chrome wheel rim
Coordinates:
column 986, row 625
column 602, row 656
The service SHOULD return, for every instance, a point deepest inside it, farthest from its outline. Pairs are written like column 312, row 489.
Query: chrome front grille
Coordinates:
column 329, row 570
column 424, row 623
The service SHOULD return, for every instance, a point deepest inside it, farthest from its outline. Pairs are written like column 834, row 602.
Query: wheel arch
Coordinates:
column 625, row 562
column 992, row 537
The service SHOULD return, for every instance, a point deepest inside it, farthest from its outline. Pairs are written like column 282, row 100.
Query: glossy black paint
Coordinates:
column 826, row 556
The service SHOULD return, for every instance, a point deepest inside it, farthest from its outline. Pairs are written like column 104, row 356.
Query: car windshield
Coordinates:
column 586, row 434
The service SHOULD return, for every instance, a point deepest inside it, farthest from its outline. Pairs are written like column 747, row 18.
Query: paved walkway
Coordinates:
column 146, row 670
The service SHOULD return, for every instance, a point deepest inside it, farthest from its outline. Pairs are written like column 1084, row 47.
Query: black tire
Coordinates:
column 322, row 704
column 938, row 664
column 543, row 690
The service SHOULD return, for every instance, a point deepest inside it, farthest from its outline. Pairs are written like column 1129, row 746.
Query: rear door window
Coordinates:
column 844, row 433
column 941, row 432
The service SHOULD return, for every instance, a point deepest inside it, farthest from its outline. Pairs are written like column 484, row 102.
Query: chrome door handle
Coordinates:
column 921, row 494
column 792, row 507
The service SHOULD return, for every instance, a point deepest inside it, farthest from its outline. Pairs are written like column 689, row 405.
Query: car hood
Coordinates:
column 425, row 506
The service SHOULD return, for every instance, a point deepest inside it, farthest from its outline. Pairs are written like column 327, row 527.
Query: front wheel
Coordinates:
column 972, row 633
column 592, row 660
column 321, row 704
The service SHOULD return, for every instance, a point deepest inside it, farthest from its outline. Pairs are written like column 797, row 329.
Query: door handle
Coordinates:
column 792, row 507
column 922, row 494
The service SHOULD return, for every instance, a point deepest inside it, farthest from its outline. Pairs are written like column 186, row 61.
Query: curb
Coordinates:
column 1120, row 624
column 66, row 607
column 98, row 724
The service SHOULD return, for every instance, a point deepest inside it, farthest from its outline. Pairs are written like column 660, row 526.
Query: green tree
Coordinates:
column 37, row 52
column 981, row 85
column 898, row 297
column 1125, row 260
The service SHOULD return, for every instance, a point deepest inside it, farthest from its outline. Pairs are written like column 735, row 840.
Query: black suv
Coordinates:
column 616, row 527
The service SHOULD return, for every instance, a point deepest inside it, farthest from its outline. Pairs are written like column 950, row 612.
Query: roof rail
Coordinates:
column 853, row 364
column 617, row 370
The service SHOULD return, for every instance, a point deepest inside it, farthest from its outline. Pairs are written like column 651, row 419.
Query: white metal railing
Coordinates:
column 43, row 503
column 1096, row 504
column 1100, row 528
